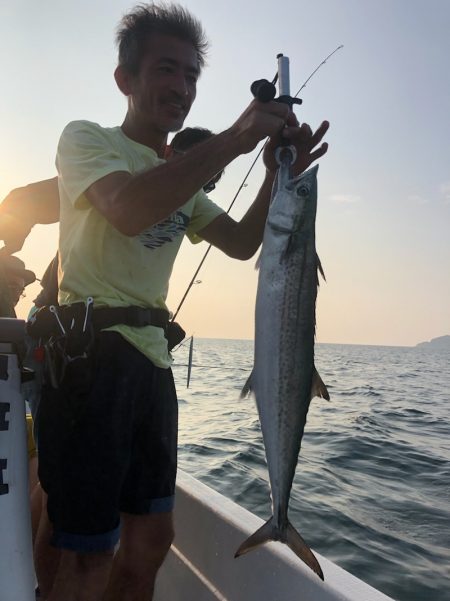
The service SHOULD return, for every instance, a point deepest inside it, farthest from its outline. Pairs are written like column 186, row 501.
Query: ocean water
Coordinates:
column 372, row 487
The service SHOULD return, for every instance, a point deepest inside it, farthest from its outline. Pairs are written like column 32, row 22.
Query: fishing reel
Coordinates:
column 265, row 91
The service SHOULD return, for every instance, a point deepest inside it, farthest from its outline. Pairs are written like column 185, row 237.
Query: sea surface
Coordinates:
column 372, row 487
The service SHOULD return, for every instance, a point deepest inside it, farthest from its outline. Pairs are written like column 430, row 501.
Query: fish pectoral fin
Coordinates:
column 318, row 387
column 296, row 543
column 261, row 536
column 247, row 389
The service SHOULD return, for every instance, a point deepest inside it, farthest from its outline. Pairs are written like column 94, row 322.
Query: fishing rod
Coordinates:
column 194, row 277
column 317, row 68
column 192, row 282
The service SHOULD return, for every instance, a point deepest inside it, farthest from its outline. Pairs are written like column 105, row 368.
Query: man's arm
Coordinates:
column 242, row 239
column 25, row 207
column 133, row 203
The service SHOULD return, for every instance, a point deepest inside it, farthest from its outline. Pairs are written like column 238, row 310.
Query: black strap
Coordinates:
column 72, row 318
column 105, row 317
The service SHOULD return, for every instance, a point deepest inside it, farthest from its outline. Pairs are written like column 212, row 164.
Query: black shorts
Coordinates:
column 109, row 447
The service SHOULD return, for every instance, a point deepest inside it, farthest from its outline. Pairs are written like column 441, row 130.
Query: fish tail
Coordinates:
column 296, row 543
column 269, row 532
column 266, row 533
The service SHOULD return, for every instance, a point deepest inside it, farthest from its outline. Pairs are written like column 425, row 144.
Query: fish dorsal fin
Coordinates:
column 318, row 388
column 320, row 268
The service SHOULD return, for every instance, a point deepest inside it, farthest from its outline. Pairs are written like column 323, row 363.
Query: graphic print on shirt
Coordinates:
column 165, row 231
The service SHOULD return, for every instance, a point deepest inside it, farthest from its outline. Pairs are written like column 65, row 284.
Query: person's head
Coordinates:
column 162, row 50
column 188, row 137
column 184, row 140
column 17, row 277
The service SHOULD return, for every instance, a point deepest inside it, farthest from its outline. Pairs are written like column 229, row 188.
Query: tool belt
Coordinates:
column 67, row 332
column 55, row 320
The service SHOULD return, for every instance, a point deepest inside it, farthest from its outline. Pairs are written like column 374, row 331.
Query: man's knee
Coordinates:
column 146, row 539
column 85, row 563
column 89, row 562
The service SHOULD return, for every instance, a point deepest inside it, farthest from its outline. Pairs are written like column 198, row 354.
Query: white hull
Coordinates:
column 201, row 566
column 209, row 529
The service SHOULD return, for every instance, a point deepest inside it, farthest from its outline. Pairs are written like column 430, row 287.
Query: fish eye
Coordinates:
column 302, row 190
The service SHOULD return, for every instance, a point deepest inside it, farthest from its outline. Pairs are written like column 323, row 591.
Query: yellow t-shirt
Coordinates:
column 95, row 259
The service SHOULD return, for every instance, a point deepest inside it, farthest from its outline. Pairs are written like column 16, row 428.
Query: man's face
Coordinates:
column 165, row 87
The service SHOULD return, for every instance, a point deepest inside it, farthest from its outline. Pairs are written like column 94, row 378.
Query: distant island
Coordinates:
column 442, row 342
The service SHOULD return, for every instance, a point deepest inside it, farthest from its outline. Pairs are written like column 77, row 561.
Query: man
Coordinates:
column 23, row 208
column 46, row 556
column 15, row 279
column 183, row 141
column 108, row 452
column 38, row 202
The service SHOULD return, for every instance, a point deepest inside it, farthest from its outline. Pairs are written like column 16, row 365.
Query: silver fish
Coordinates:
column 284, row 379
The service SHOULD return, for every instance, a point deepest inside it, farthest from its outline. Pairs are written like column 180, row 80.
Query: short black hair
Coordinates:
column 169, row 19
column 188, row 137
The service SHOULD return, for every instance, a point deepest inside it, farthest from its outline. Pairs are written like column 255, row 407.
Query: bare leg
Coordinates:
column 81, row 576
column 144, row 543
column 35, row 496
column 32, row 473
column 46, row 557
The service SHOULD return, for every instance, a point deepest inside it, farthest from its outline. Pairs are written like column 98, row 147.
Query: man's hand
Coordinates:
column 259, row 121
column 26, row 206
column 13, row 232
column 276, row 121
column 305, row 142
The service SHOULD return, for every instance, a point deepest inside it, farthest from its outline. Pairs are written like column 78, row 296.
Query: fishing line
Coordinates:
column 191, row 283
column 212, row 366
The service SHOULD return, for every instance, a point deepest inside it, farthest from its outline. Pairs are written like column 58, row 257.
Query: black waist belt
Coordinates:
column 130, row 316
column 65, row 319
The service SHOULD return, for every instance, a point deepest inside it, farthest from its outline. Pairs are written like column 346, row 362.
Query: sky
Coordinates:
column 384, row 186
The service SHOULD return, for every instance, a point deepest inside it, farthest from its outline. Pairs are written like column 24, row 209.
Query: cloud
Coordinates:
column 345, row 198
column 445, row 192
column 417, row 199
column 444, row 196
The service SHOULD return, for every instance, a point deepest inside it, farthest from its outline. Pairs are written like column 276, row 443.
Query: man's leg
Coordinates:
column 83, row 440
column 46, row 556
column 144, row 543
column 35, row 496
column 147, row 494
column 90, row 569
column 122, row 452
